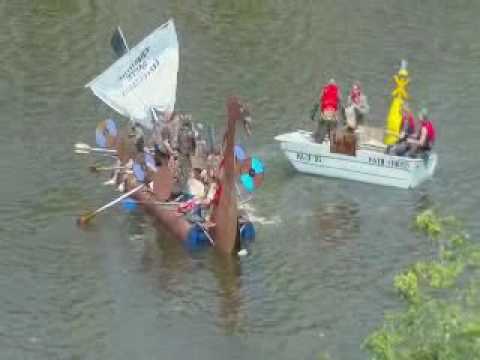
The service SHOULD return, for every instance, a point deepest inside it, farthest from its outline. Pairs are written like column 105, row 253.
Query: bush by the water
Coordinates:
column 442, row 317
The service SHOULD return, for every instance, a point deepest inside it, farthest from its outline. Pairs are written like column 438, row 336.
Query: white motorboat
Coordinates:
column 369, row 163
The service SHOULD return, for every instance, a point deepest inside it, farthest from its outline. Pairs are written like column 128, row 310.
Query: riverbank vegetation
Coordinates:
column 442, row 315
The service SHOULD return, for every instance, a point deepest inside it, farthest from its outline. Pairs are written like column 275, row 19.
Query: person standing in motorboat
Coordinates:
column 329, row 104
column 357, row 106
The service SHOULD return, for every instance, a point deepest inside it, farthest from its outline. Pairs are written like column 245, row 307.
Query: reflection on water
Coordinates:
column 423, row 201
column 337, row 223
column 325, row 250
column 227, row 272
column 172, row 269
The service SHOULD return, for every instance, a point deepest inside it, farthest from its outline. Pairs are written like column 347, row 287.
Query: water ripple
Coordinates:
column 318, row 277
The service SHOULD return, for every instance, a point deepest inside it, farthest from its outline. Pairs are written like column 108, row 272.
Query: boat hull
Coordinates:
column 168, row 218
column 367, row 166
column 192, row 235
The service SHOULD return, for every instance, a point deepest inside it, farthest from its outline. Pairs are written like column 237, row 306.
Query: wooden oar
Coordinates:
column 205, row 231
column 104, row 154
column 160, row 203
column 82, row 148
column 84, row 219
column 96, row 169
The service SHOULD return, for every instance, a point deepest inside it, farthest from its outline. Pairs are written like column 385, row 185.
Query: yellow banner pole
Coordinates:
column 399, row 96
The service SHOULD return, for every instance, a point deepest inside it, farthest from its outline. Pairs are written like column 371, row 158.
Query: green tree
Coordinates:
column 442, row 318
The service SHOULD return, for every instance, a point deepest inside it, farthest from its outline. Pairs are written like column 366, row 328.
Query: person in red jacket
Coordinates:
column 407, row 127
column 330, row 98
column 329, row 103
column 426, row 136
column 415, row 143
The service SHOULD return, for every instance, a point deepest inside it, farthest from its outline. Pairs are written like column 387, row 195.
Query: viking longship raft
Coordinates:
column 140, row 85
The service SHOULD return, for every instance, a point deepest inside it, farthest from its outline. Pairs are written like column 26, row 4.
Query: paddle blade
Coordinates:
column 84, row 219
column 80, row 151
column 82, row 146
column 93, row 169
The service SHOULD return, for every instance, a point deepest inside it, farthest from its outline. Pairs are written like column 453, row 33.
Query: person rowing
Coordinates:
column 185, row 148
column 125, row 146
column 162, row 143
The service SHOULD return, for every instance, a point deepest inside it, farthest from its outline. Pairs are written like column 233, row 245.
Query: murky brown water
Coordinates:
column 318, row 279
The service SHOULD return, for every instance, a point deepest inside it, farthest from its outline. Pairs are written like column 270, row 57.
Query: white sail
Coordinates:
column 143, row 79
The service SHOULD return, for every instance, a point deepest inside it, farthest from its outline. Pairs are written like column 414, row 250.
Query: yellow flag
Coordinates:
column 394, row 118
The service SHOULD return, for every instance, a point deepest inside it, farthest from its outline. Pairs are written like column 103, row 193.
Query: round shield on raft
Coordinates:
column 251, row 174
column 105, row 133
column 240, row 153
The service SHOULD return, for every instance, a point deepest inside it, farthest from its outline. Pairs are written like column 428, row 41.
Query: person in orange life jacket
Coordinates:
column 426, row 136
column 329, row 104
column 407, row 129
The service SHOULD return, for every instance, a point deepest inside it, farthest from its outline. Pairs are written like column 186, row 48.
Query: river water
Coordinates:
column 318, row 279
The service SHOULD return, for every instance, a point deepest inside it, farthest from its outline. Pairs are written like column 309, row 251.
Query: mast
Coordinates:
column 225, row 213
